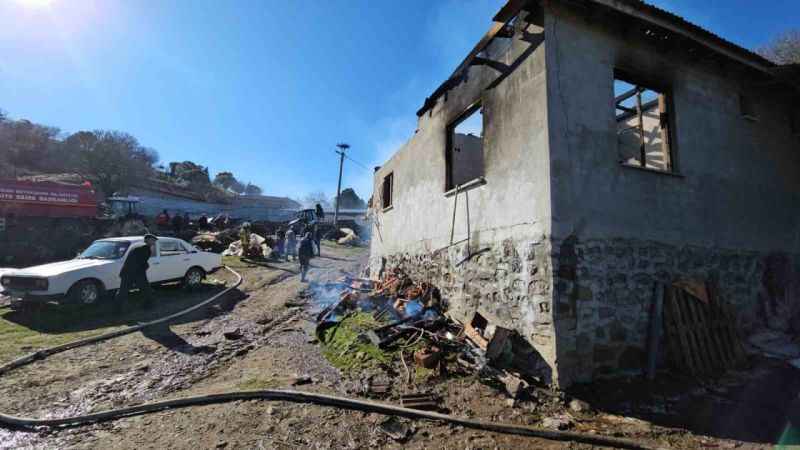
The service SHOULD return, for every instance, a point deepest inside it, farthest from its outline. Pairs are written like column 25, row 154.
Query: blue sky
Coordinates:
column 265, row 89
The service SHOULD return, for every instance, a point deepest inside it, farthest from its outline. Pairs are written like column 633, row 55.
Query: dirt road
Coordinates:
column 261, row 337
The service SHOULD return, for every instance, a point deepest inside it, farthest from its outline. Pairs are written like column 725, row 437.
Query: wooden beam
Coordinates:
column 496, row 65
column 642, row 151
column 506, row 13
column 626, row 95
column 666, row 145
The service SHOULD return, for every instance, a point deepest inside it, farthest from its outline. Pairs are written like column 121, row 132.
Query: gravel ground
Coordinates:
column 259, row 337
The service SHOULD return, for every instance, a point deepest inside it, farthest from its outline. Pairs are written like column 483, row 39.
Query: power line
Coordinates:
column 358, row 163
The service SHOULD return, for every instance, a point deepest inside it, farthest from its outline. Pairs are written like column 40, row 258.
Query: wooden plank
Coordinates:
column 656, row 327
column 626, row 95
column 684, row 337
column 666, row 144
column 718, row 319
column 697, row 348
column 506, row 13
column 639, row 112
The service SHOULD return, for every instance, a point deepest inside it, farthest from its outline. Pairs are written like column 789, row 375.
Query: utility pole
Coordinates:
column 342, row 149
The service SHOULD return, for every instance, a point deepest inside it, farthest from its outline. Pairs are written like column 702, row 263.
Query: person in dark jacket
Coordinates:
column 305, row 253
column 317, row 235
column 177, row 224
column 320, row 212
column 134, row 273
column 202, row 222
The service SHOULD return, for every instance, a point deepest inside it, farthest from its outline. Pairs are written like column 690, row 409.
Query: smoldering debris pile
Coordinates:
column 401, row 326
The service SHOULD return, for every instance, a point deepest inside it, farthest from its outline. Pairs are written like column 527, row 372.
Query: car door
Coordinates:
column 174, row 259
column 154, row 272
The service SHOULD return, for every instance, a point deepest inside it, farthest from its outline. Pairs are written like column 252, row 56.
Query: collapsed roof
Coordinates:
column 663, row 28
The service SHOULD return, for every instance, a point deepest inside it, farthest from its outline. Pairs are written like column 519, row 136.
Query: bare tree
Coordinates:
column 313, row 198
column 783, row 49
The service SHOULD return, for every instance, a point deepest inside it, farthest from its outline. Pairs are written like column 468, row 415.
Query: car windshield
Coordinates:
column 105, row 250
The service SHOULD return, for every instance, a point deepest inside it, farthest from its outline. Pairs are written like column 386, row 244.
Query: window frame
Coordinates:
column 180, row 250
column 390, row 178
column 448, row 151
column 663, row 89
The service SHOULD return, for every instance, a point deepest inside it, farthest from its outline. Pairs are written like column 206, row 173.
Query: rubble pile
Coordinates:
column 400, row 325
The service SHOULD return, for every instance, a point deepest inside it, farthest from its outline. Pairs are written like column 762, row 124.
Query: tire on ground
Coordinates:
column 194, row 277
column 85, row 292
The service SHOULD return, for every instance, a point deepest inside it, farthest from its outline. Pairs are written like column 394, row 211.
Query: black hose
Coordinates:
column 275, row 395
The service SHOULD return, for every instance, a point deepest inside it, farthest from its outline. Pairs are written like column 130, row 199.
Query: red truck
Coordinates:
column 44, row 220
column 46, row 199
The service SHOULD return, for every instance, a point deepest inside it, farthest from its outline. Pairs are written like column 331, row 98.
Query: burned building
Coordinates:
column 581, row 153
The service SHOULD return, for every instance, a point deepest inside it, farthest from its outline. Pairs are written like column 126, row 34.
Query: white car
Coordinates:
column 96, row 271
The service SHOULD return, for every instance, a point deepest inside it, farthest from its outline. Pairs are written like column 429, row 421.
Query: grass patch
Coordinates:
column 347, row 352
column 421, row 374
column 22, row 332
column 17, row 339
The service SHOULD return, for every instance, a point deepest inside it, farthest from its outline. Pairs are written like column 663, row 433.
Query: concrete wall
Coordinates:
column 153, row 202
column 468, row 158
column 616, row 229
column 509, row 216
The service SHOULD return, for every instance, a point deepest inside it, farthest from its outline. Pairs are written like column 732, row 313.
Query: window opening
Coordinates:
column 388, row 182
column 643, row 121
column 464, row 154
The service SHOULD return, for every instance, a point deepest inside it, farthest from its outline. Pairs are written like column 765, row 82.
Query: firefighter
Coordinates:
column 134, row 273
column 244, row 237
column 305, row 253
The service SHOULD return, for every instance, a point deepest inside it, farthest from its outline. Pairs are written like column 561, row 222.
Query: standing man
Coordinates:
column 291, row 243
column 134, row 273
column 162, row 220
column 280, row 237
column 177, row 224
column 320, row 212
column 318, row 238
column 306, row 252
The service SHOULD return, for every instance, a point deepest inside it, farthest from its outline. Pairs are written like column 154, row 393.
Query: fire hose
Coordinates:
column 270, row 394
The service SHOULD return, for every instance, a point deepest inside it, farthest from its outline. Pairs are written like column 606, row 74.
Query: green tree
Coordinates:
column 224, row 180
column 350, row 200
column 237, row 187
column 252, row 189
column 112, row 159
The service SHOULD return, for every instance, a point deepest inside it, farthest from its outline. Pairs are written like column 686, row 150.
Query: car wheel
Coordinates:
column 194, row 278
column 85, row 292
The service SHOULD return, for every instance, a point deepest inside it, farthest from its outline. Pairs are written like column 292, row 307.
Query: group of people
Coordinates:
column 287, row 245
column 178, row 223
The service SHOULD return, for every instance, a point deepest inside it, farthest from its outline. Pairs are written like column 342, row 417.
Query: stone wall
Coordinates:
column 604, row 289
column 509, row 282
